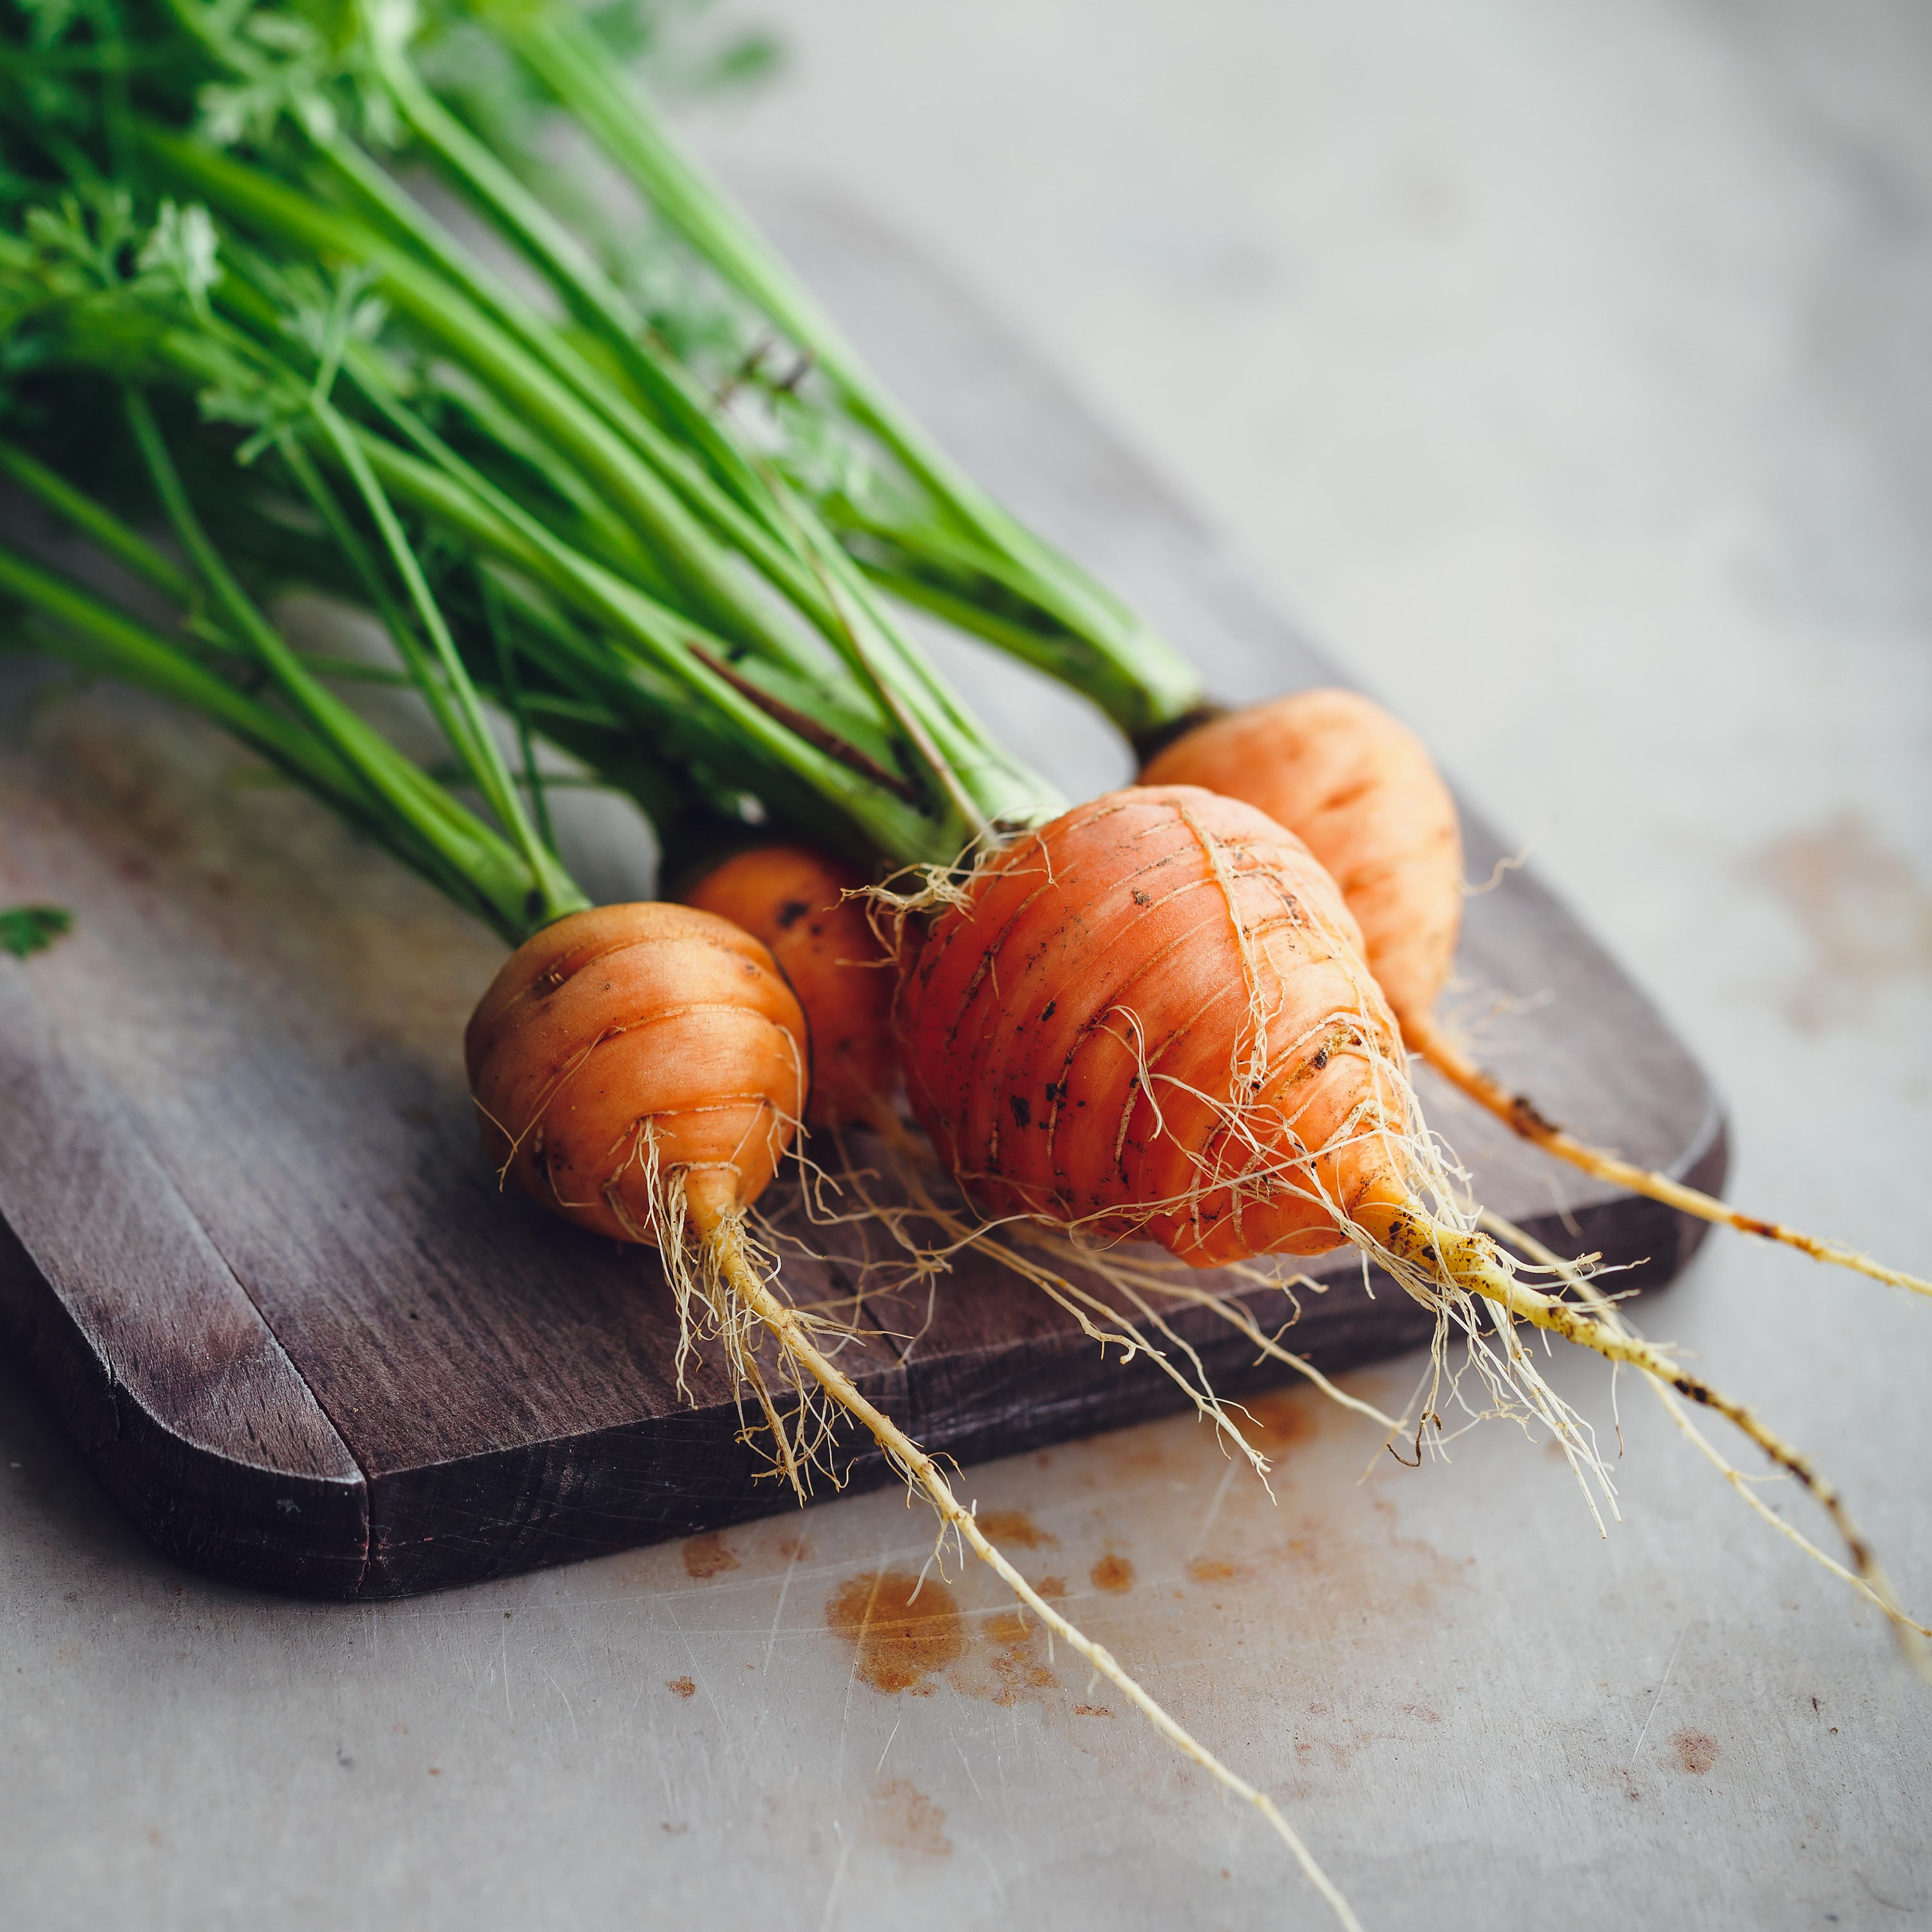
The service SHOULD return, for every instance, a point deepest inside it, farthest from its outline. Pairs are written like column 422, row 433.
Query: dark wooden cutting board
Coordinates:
column 252, row 1256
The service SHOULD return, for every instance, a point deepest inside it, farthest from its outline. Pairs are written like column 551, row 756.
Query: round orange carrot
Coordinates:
column 795, row 901
column 1360, row 791
column 625, row 1046
column 1152, row 1018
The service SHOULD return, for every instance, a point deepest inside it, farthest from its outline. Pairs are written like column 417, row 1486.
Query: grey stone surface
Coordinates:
column 1564, row 369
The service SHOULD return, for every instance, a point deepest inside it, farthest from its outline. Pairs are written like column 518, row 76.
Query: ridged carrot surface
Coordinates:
column 632, row 1040
column 1151, row 1018
column 1360, row 791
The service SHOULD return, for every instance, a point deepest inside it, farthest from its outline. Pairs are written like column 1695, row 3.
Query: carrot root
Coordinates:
column 1518, row 1114
column 1037, row 1257
column 1909, row 1629
column 727, row 1254
column 1048, row 1258
column 1471, row 1262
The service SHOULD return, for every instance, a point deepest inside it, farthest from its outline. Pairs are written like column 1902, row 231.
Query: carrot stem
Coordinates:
column 127, row 548
column 519, row 900
column 1135, row 676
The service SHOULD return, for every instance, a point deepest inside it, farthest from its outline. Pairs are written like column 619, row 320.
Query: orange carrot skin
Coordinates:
column 793, row 900
column 1362, row 793
column 627, row 1018
column 1061, row 1031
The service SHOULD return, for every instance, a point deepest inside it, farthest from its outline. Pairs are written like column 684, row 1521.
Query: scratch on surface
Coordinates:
column 838, row 1880
column 999, row 1884
column 881, row 1765
column 1214, row 1508
column 852, row 1679
column 698, row 1673
column 785, row 1588
column 1664, row 1685
column 968, row 1763
column 567, row 1705
column 509, row 1715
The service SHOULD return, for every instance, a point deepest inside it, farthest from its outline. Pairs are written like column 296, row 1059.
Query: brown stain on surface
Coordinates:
column 707, row 1556
column 1695, row 1751
column 1115, row 1574
column 899, row 1644
column 1215, row 1570
column 907, row 1822
column 1014, row 1529
column 1280, row 1419
column 681, row 1687
column 1015, row 1667
column 1408, row 1570
column 1866, row 913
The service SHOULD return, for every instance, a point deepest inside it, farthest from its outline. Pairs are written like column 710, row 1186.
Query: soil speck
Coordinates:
column 681, row 1687
column 1282, row 1418
column 707, row 1556
column 1014, row 1529
column 1213, row 1569
column 1867, row 914
column 906, row 1821
column 1696, row 1751
column 899, row 1645
column 1113, row 1574
column 1019, row 1662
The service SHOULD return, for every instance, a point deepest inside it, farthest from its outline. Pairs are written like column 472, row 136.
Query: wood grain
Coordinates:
column 256, row 1260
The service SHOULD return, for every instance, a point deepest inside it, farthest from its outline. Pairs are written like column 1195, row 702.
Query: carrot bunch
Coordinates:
column 531, row 539
column 1179, row 1014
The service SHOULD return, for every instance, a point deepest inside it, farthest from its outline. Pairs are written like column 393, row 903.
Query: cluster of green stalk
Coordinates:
column 250, row 346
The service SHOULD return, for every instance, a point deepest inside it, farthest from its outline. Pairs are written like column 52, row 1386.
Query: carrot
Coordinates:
column 1151, row 1017
column 799, row 903
column 1358, row 789
column 1072, row 1034
column 642, row 1069
column 632, row 1041
column 1361, row 790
